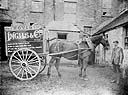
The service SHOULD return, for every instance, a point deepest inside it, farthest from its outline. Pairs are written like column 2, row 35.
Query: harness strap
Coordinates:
column 57, row 46
column 78, row 51
column 89, row 42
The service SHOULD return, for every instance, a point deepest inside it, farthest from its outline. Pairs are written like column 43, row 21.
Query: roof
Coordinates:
column 112, row 23
column 62, row 26
column 4, row 18
column 101, row 26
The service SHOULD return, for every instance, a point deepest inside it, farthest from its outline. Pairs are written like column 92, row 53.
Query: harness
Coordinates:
column 79, row 51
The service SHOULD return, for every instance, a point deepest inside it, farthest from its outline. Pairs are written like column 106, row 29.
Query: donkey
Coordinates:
column 83, row 56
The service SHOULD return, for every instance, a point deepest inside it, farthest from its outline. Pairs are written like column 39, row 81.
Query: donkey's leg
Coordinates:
column 85, row 65
column 79, row 62
column 50, row 64
column 57, row 63
column 81, row 67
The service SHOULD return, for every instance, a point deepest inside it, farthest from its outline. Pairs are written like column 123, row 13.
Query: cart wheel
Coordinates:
column 43, row 63
column 24, row 64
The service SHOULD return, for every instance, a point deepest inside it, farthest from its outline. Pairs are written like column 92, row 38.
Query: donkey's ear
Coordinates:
column 101, row 34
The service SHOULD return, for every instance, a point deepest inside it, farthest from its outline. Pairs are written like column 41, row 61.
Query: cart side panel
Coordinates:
column 16, row 39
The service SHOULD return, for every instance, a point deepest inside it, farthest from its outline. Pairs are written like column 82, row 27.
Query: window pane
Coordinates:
column 69, row 7
column 62, row 36
column 70, row 18
column 4, row 4
column 37, row 6
column 106, row 3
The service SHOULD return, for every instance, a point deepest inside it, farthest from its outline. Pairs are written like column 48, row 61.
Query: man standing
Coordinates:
column 117, row 60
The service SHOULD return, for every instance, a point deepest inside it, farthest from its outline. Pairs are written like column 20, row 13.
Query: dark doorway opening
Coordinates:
column 62, row 36
column 3, row 56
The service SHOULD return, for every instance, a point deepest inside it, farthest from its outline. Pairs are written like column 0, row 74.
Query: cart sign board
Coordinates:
column 23, row 38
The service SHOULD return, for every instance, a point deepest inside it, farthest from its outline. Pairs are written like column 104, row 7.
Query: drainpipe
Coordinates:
column 54, row 9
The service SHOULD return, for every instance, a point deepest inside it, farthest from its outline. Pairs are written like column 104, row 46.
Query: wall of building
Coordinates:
column 115, row 34
column 86, row 11
column 20, row 11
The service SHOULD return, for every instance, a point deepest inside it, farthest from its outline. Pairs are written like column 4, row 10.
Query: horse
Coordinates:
column 83, row 56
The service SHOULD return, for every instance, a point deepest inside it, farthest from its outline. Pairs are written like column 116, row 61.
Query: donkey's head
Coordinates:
column 96, row 40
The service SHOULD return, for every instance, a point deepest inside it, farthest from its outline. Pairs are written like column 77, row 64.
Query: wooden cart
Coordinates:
column 25, row 48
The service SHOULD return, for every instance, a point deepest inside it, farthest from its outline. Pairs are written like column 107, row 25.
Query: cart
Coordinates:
column 26, row 50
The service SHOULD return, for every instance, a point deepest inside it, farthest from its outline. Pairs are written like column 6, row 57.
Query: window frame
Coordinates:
column 37, row 3
column 62, row 34
column 4, row 4
column 70, row 13
column 125, row 30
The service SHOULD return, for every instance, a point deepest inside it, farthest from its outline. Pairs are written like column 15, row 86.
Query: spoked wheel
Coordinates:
column 43, row 63
column 24, row 64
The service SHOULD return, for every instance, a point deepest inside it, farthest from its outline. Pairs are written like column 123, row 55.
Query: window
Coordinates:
column 70, row 10
column 69, row 7
column 87, row 29
column 37, row 6
column 126, row 37
column 3, row 4
column 106, row 6
column 62, row 36
column 106, row 3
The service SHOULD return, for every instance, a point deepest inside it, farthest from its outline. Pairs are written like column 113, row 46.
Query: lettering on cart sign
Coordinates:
column 23, row 35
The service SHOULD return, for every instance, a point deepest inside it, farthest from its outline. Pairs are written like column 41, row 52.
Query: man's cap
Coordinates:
column 115, row 41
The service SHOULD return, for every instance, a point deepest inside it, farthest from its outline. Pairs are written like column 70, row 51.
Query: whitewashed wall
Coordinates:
column 115, row 34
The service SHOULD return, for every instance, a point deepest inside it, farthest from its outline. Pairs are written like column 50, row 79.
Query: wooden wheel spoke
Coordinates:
column 17, row 68
column 16, row 61
column 23, row 54
column 19, row 71
column 26, row 74
column 26, row 56
column 32, row 69
column 27, row 69
column 19, row 55
column 32, row 62
column 17, row 58
column 22, row 74
column 29, row 56
column 33, row 66
column 35, row 58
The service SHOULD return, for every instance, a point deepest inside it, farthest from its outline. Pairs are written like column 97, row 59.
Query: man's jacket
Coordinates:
column 117, row 55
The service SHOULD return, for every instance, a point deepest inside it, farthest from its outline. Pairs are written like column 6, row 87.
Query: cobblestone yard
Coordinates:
column 70, row 83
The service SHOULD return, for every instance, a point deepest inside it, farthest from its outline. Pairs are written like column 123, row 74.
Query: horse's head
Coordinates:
column 100, row 39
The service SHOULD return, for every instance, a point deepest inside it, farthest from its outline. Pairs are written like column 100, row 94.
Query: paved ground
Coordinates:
column 69, row 84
